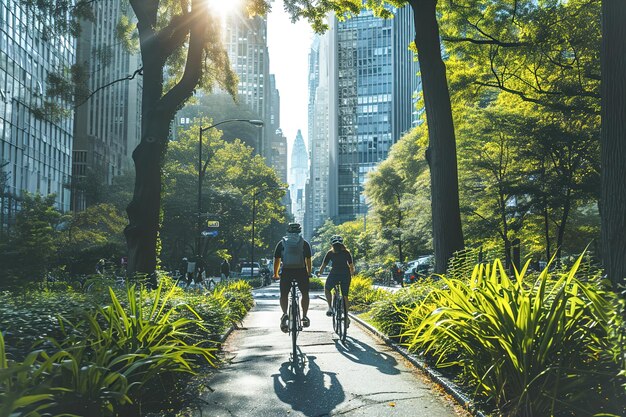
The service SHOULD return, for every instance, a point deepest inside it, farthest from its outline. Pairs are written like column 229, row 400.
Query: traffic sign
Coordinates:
column 213, row 223
column 210, row 233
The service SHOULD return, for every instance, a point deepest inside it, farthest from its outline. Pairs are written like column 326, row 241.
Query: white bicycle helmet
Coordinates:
column 336, row 239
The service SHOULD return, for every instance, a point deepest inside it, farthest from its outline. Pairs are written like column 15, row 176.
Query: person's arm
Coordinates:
column 321, row 270
column 276, row 267
column 350, row 263
column 309, row 266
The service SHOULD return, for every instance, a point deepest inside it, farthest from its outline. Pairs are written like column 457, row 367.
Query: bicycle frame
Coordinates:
column 340, row 315
column 295, row 324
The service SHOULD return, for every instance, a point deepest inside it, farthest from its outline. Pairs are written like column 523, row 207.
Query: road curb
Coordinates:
column 449, row 386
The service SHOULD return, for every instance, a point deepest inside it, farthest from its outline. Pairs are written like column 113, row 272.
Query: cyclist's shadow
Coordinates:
column 311, row 391
column 362, row 353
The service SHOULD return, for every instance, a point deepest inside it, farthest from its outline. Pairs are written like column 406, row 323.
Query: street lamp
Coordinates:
column 202, row 169
column 254, row 197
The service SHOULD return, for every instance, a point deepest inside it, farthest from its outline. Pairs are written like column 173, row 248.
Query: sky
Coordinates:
column 289, row 46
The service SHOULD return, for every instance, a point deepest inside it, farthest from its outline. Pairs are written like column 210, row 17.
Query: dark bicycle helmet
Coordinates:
column 336, row 239
column 294, row 228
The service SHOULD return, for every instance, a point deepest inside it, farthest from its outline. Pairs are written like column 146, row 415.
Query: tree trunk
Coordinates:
column 144, row 209
column 567, row 205
column 613, row 139
column 546, row 229
column 158, row 110
column 441, row 153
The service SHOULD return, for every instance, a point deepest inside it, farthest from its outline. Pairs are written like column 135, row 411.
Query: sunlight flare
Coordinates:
column 225, row 8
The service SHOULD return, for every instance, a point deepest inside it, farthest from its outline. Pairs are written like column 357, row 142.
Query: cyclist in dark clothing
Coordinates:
column 341, row 271
column 295, row 254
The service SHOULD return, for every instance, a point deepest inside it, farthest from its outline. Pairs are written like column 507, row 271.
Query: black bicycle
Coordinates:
column 295, row 323
column 340, row 313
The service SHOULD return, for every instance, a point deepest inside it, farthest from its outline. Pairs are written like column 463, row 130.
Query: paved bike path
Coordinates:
column 364, row 377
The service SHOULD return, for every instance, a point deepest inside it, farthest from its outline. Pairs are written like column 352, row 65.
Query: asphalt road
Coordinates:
column 362, row 377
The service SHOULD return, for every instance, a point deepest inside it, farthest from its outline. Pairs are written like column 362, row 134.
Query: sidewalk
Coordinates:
column 364, row 377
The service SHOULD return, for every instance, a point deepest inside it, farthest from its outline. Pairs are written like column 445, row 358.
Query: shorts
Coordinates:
column 343, row 277
column 301, row 277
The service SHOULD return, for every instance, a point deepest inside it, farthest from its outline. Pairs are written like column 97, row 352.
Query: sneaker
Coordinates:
column 284, row 323
column 329, row 312
column 306, row 322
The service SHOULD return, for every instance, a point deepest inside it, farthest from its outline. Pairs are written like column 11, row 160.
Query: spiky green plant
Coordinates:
column 535, row 350
column 20, row 392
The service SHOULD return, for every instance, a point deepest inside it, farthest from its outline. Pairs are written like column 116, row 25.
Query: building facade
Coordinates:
column 108, row 125
column 372, row 85
column 277, row 157
column 35, row 152
column 245, row 41
column 319, row 134
column 298, row 176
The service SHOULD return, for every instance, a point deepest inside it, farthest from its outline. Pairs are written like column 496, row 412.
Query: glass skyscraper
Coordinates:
column 108, row 125
column 35, row 153
column 246, row 43
column 372, row 90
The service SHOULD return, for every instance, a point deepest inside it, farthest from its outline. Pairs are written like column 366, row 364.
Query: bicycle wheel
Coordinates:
column 293, row 327
column 334, row 303
column 344, row 320
column 339, row 318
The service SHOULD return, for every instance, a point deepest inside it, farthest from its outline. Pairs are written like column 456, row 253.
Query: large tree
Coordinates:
column 398, row 194
column 441, row 152
column 184, row 35
column 181, row 50
column 569, row 56
column 234, row 173
column 613, row 139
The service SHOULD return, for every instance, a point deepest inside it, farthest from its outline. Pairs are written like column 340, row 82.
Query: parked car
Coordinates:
column 245, row 269
column 419, row 269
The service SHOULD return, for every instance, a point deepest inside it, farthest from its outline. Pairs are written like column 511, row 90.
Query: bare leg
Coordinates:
column 305, row 304
column 329, row 299
column 284, row 301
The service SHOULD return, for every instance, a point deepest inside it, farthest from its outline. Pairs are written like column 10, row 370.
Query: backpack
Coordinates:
column 293, row 252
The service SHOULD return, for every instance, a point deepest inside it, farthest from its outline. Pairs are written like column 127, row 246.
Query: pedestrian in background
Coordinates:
column 225, row 270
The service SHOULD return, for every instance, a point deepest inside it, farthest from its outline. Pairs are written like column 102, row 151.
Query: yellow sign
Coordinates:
column 213, row 223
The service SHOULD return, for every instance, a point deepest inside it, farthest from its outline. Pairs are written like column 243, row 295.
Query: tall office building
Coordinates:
column 280, row 159
column 108, row 125
column 372, row 85
column 246, row 43
column 277, row 158
column 298, row 175
column 35, row 153
column 317, row 195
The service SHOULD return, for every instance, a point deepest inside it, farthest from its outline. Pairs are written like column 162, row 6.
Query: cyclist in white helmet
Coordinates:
column 341, row 272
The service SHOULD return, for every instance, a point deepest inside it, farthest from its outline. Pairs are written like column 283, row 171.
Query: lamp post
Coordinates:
column 254, row 197
column 202, row 169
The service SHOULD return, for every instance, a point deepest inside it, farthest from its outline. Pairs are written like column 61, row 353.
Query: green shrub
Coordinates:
column 31, row 317
column 94, row 360
column 316, row 284
column 102, row 362
column 389, row 314
column 240, row 300
column 535, row 350
column 363, row 294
